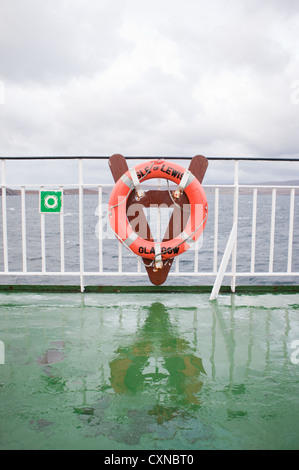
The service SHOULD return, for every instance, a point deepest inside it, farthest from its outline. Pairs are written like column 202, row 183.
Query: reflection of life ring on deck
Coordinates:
column 186, row 181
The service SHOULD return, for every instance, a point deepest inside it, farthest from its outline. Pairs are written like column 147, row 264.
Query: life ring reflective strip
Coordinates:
column 186, row 181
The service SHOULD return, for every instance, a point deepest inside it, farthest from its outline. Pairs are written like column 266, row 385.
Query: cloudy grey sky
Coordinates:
column 159, row 77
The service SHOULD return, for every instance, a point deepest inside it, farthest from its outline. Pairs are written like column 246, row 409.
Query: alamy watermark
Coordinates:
column 2, row 353
column 158, row 223
column 295, row 92
column 295, row 354
column 2, row 92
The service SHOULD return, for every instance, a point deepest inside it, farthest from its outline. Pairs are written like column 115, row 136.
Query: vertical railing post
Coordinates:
column 43, row 238
column 138, row 266
column 291, row 230
column 120, row 258
column 100, row 228
column 272, row 233
column 223, row 265
column 158, row 236
column 196, row 247
column 81, row 239
column 253, row 232
column 216, row 215
column 62, row 233
column 235, row 222
column 4, row 219
column 24, row 243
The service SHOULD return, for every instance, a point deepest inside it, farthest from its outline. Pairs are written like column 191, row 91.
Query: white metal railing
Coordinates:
column 222, row 240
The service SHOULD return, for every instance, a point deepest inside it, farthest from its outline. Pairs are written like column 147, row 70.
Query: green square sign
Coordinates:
column 50, row 201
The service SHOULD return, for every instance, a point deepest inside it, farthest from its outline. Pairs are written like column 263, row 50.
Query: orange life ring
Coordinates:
column 186, row 181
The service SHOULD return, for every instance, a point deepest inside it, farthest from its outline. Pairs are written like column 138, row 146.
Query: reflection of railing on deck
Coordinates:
column 215, row 272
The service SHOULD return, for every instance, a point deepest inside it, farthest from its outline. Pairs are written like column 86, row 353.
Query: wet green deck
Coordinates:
column 149, row 371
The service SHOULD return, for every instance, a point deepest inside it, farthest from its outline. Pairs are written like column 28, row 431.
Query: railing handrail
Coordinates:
column 146, row 157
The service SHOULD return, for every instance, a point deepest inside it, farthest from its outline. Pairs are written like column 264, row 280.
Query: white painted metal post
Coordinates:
column 272, row 233
column 253, row 233
column 223, row 265
column 81, row 240
column 158, row 235
column 236, row 203
column 23, row 212
column 43, row 242
column 291, row 230
column 100, row 228
column 120, row 258
column 196, row 245
column 177, row 265
column 62, row 233
column 138, row 266
column 158, row 216
column 4, row 219
column 43, row 237
column 216, row 214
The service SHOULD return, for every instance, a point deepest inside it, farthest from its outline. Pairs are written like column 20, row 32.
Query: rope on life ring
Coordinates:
column 187, row 182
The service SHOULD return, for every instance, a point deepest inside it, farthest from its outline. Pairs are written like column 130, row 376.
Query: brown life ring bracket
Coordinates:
column 197, row 167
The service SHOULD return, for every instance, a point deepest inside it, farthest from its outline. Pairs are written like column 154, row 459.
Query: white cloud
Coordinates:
column 98, row 77
column 51, row 42
column 2, row 92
